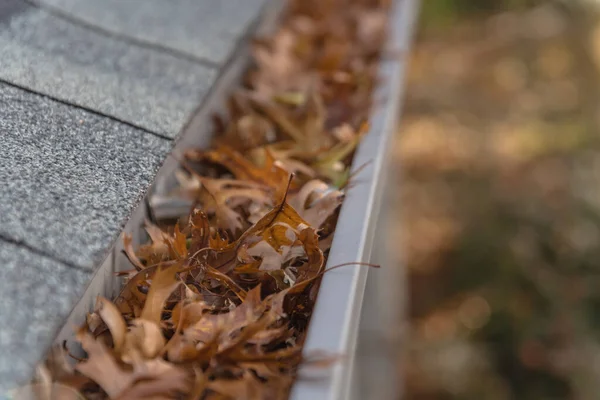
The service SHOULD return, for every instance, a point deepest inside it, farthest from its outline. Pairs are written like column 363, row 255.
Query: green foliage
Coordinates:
column 441, row 13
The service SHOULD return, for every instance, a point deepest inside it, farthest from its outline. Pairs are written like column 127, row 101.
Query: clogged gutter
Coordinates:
column 217, row 303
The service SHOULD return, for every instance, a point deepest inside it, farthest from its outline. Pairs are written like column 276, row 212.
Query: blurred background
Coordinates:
column 499, row 208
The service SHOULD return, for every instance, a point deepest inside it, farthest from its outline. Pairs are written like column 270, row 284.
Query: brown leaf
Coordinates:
column 220, row 196
column 284, row 152
column 169, row 382
column 344, row 133
column 101, row 366
column 269, row 174
column 178, row 243
column 57, row 363
column 204, row 326
column 316, row 261
column 182, row 349
column 316, row 202
column 200, row 381
column 279, row 69
column 164, row 282
column 271, row 228
column 189, row 314
column 248, row 131
column 158, row 249
column 371, row 30
column 133, row 258
column 131, row 299
column 249, row 310
column 247, row 388
column 270, row 258
column 309, row 134
column 143, row 340
column 282, row 215
column 200, row 230
column 268, row 336
column 113, row 319
column 225, row 280
column 262, row 369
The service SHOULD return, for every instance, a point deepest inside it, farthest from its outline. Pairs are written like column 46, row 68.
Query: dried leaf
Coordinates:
column 168, row 383
column 269, row 174
column 156, row 251
column 164, row 282
column 143, row 340
column 128, row 246
column 220, row 196
column 114, row 321
column 316, row 202
column 246, row 388
column 220, row 296
column 101, row 366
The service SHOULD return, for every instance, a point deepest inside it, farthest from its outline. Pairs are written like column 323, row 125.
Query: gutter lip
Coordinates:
column 335, row 321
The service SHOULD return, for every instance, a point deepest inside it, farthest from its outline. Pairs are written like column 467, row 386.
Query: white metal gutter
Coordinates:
column 335, row 320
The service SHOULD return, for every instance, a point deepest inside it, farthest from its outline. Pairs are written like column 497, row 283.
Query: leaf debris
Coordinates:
column 217, row 305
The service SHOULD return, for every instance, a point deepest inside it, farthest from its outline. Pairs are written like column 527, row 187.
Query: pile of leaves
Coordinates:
column 217, row 303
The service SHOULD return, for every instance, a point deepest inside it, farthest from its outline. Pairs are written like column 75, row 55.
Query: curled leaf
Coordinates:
column 114, row 321
column 164, row 282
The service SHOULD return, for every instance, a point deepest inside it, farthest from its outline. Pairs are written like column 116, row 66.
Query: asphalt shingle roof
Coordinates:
column 91, row 95
column 202, row 29
column 69, row 177
column 37, row 294
column 151, row 89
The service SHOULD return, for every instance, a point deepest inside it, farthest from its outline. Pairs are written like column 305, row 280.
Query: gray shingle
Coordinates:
column 37, row 295
column 145, row 87
column 69, row 178
column 207, row 29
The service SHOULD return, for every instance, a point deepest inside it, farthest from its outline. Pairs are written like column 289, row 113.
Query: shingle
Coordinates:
column 145, row 87
column 207, row 29
column 37, row 295
column 69, row 178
